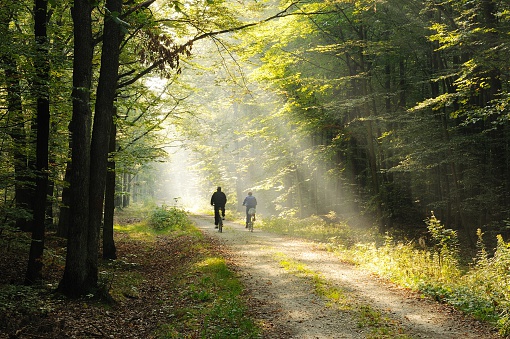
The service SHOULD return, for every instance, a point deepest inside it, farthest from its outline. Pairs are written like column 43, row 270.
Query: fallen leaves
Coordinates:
column 138, row 314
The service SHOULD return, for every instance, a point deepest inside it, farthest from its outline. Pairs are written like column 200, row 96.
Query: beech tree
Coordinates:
column 41, row 84
column 78, row 279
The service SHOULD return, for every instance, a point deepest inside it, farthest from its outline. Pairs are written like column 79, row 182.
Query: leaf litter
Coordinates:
column 284, row 302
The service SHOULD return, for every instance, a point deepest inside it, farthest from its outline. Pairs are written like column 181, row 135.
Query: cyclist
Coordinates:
column 218, row 200
column 249, row 202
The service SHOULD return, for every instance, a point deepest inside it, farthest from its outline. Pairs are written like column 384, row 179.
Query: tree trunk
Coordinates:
column 109, row 249
column 118, row 189
column 126, row 191
column 42, row 66
column 23, row 184
column 74, row 282
column 52, row 190
column 103, row 120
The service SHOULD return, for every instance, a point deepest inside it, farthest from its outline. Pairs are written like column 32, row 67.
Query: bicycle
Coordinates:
column 251, row 213
column 220, row 224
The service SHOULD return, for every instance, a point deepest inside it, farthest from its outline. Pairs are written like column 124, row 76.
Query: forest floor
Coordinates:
column 288, row 280
column 293, row 289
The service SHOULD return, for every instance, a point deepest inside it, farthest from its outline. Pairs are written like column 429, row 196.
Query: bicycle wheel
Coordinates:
column 220, row 226
column 250, row 225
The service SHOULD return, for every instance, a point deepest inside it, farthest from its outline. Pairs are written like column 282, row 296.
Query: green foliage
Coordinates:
column 480, row 289
column 19, row 304
column 12, row 239
column 446, row 245
column 219, row 286
column 396, row 261
column 166, row 218
column 488, row 282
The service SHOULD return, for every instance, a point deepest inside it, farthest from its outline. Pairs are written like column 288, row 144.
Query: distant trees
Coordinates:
column 57, row 160
column 392, row 108
column 16, row 129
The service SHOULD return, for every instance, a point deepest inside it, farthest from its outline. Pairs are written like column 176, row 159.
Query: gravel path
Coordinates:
column 287, row 307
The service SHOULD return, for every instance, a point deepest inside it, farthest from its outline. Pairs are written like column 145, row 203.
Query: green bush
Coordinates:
column 480, row 289
column 11, row 238
column 446, row 246
column 168, row 218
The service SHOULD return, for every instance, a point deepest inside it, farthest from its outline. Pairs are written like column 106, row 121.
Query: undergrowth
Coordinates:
column 479, row 288
column 206, row 299
column 193, row 292
column 165, row 218
column 211, row 306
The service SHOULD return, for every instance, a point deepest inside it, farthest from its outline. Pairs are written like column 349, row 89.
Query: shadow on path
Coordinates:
column 287, row 306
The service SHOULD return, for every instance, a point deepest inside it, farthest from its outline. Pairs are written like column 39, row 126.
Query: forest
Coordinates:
column 373, row 112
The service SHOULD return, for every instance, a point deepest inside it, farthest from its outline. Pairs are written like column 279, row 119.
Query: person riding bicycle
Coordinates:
column 218, row 200
column 250, row 202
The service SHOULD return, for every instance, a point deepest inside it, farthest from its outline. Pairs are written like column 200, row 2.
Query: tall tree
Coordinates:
column 103, row 121
column 41, row 84
column 76, row 280
column 109, row 249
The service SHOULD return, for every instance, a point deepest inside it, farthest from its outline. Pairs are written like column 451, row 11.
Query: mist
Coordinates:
column 179, row 183
column 239, row 135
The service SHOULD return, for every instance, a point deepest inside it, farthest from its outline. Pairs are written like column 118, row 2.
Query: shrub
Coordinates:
column 446, row 246
column 168, row 218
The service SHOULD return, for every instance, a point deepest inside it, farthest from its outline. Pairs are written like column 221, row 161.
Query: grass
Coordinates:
column 321, row 286
column 313, row 228
column 218, row 289
column 206, row 295
column 211, row 305
column 479, row 288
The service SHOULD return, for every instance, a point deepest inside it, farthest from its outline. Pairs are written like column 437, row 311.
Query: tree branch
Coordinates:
column 141, row 74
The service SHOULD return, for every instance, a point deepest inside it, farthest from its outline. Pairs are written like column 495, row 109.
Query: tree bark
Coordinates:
column 126, row 190
column 65, row 214
column 42, row 66
column 103, row 121
column 74, row 282
column 109, row 249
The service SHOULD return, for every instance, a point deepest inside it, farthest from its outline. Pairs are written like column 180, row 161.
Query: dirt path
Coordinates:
column 287, row 306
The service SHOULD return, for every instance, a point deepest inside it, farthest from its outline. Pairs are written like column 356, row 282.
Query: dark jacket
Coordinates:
column 219, row 199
